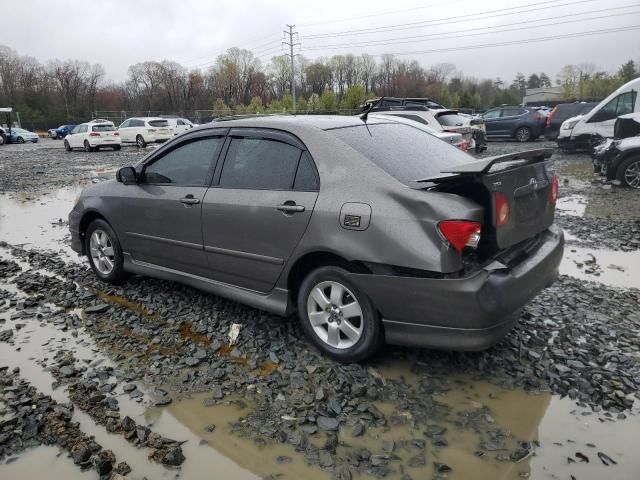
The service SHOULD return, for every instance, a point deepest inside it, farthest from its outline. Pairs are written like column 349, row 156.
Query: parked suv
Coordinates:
column 522, row 123
column 560, row 113
column 144, row 130
column 92, row 136
column 372, row 230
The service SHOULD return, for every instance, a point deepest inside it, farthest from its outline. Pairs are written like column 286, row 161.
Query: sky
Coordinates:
column 119, row 33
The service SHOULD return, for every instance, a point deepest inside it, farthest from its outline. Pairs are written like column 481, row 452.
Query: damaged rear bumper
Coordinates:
column 469, row 313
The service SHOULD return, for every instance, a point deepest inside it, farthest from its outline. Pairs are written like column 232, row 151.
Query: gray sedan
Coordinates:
column 371, row 230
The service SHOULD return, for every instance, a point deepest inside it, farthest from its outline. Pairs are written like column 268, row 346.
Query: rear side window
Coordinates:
column 103, row 128
column 510, row 111
column 406, row 153
column 306, row 177
column 158, row 123
column 260, row 163
column 186, row 165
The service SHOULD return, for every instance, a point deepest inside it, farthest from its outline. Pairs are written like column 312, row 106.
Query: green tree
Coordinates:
column 220, row 108
column 256, row 105
column 287, row 103
column 314, row 103
column 327, row 101
column 275, row 107
column 534, row 81
column 545, row 81
column 628, row 71
column 353, row 98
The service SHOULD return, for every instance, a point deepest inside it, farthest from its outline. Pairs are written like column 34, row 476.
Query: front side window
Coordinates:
column 125, row 124
column 491, row 114
column 620, row 105
column 186, row 165
column 260, row 163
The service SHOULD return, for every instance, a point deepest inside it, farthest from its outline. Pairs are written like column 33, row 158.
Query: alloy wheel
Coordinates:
column 523, row 135
column 632, row 174
column 101, row 251
column 335, row 314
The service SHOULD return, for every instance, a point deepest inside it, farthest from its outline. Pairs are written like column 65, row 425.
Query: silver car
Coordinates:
column 352, row 223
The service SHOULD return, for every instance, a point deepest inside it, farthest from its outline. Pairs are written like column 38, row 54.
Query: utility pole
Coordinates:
column 291, row 44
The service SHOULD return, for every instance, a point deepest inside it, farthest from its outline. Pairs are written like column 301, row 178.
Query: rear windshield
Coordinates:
column 451, row 120
column 103, row 128
column 158, row 123
column 406, row 153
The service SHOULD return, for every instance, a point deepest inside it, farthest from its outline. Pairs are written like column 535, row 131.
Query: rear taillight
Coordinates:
column 550, row 117
column 461, row 233
column 502, row 208
column 555, row 186
column 117, row 134
column 94, row 134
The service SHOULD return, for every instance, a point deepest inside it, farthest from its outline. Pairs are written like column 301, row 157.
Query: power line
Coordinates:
column 449, row 36
column 446, row 20
column 246, row 47
column 381, row 13
column 515, row 42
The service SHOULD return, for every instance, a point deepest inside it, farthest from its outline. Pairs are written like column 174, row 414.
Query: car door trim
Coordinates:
column 249, row 256
column 170, row 241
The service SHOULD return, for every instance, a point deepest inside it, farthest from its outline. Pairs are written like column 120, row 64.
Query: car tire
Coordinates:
column 104, row 252
column 140, row 141
column 87, row 147
column 2, row 140
column 328, row 295
column 523, row 134
column 59, row 137
column 20, row 140
column 117, row 147
column 67, row 147
column 628, row 172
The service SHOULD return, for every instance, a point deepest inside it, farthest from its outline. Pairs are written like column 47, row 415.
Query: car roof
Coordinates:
column 147, row 118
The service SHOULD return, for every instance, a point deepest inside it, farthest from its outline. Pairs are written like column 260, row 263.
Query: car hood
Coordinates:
column 630, row 143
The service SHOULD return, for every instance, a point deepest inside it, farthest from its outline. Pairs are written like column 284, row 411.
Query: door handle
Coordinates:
column 290, row 207
column 190, row 200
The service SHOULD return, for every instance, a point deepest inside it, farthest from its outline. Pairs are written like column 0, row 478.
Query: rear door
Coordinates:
column 258, row 207
column 509, row 120
column 160, row 216
column 491, row 121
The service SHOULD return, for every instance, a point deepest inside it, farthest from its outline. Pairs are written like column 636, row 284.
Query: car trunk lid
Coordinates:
column 523, row 181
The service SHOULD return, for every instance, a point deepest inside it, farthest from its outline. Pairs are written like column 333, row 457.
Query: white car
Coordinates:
column 144, row 130
column 441, row 120
column 92, row 136
column 180, row 125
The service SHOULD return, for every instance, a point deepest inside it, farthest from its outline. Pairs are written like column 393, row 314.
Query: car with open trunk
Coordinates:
column 370, row 229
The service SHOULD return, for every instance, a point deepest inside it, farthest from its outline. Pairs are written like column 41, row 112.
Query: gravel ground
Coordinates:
column 577, row 339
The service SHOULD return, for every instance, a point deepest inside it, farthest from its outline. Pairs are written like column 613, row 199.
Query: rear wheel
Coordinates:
column 104, row 252
column 523, row 134
column 87, row 147
column 629, row 172
column 337, row 317
column 140, row 142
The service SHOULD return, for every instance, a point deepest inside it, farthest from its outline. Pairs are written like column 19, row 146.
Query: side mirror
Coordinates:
column 127, row 176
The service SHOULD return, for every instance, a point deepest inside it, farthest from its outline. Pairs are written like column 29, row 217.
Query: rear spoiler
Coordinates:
column 484, row 165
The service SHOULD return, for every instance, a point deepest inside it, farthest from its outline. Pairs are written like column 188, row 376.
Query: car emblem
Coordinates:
column 534, row 182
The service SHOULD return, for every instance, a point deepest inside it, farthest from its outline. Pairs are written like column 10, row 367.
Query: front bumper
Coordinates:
column 470, row 313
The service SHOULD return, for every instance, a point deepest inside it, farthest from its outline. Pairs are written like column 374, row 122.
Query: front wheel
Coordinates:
column 104, row 252
column 67, row 147
column 337, row 317
column 629, row 172
column 140, row 142
column 20, row 140
column 523, row 134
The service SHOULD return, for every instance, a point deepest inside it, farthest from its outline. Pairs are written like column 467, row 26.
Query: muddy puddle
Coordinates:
column 613, row 268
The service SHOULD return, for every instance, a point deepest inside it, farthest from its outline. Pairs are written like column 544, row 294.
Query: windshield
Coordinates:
column 406, row 153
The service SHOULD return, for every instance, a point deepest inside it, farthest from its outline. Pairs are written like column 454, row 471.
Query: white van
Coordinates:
column 577, row 132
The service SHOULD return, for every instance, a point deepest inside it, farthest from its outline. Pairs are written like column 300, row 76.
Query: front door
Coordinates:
column 491, row 121
column 258, row 208
column 161, row 215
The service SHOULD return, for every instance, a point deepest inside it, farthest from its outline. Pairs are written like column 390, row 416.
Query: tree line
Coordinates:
column 238, row 82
